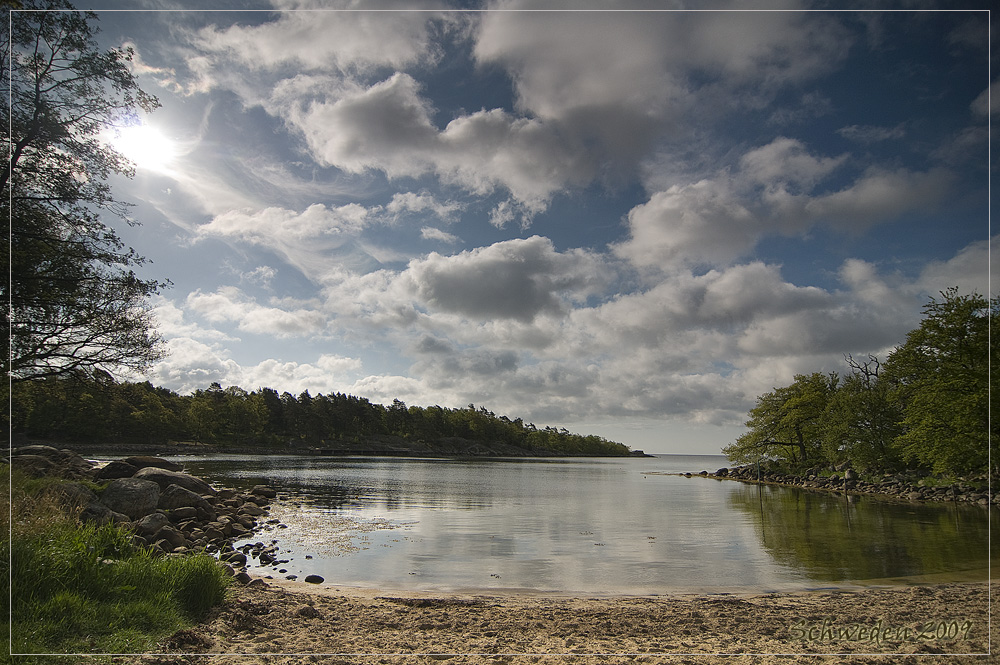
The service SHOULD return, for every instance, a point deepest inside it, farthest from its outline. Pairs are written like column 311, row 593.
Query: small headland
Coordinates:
column 842, row 479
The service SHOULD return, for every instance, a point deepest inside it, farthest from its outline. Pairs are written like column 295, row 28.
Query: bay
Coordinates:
column 590, row 525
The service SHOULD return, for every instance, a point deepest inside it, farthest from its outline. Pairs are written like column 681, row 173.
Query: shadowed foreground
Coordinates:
column 297, row 623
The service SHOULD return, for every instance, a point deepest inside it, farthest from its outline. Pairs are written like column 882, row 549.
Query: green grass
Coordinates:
column 90, row 589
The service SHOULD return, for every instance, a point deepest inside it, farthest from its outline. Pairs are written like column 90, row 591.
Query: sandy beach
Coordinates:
column 299, row 623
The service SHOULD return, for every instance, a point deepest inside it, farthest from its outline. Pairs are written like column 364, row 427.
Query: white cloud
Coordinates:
column 987, row 102
column 515, row 279
column 229, row 304
column 871, row 133
column 880, row 195
column 431, row 233
column 192, row 365
column 777, row 189
column 303, row 239
column 410, row 202
column 316, row 38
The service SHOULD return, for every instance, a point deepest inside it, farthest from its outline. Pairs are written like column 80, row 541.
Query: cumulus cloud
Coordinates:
column 192, row 365
column 316, row 38
column 776, row 189
column 984, row 105
column 230, row 304
column 516, row 279
column 303, row 239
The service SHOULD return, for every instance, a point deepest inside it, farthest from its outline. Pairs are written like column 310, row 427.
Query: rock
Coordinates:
column 307, row 612
column 175, row 496
column 183, row 513
column 242, row 577
column 151, row 524
column 74, row 495
column 141, row 461
column 914, row 496
column 134, row 497
column 214, row 535
column 722, row 473
column 164, row 478
column 35, row 466
column 257, row 584
column 849, row 474
column 116, row 469
column 172, row 536
column 98, row 513
column 314, row 579
column 251, row 509
column 264, row 490
column 234, row 557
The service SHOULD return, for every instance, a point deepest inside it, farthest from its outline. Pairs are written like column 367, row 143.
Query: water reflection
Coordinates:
column 590, row 525
column 839, row 538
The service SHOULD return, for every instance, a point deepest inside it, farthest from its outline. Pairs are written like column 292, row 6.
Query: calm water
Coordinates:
column 590, row 525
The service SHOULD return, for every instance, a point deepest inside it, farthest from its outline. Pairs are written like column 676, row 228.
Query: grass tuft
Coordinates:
column 89, row 589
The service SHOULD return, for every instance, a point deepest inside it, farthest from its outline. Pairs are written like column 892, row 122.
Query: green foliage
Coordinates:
column 100, row 410
column 927, row 406
column 786, row 423
column 74, row 299
column 941, row 379
column 80, row 589
column 862, row 419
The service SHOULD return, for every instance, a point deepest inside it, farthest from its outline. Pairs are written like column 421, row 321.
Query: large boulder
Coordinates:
column 98, row 513
column 175, row 496
column 41, row 460
column 116, row 469
column 142, row 461
column 134, row 497
column 165, row 478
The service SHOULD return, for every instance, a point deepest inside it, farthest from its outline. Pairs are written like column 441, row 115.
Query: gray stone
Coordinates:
column 172, row 536
column 150, row 524
column 257, row 584
column 134, row 497
column 251, row 509
column 74, row 494
column 165, row 478
column 264, row 490
column 141, row 461
column 116, row 469
column 235, row 558
column 314, row 579
column 98, row 513
column 914, row 496
column 35, row 466
column 307, row 612
column 242, row 577
column 183, row 513
column 175, row 496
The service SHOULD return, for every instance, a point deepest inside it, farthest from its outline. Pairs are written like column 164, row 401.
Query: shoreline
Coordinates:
column 281, row 624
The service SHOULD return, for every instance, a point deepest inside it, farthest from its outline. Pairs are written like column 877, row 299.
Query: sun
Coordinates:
column 146, row 147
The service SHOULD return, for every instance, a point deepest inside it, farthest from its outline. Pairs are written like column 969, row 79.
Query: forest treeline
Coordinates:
column 97, row 409
column 925, row 407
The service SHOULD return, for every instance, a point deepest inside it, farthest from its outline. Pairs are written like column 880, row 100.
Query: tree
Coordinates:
column 74, row 300
column 786, row 422
column 863, row 417
column 941, row 377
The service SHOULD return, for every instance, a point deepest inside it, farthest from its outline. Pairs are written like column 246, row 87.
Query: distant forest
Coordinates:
column 97, row 409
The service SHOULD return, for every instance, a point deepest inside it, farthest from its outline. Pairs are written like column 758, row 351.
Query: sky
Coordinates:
column 626, row 223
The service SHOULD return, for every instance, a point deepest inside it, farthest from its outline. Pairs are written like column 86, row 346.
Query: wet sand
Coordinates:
column 294, row 622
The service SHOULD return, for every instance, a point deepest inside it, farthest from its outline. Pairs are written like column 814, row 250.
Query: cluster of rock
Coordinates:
column 168, row 510
column 843, row 478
